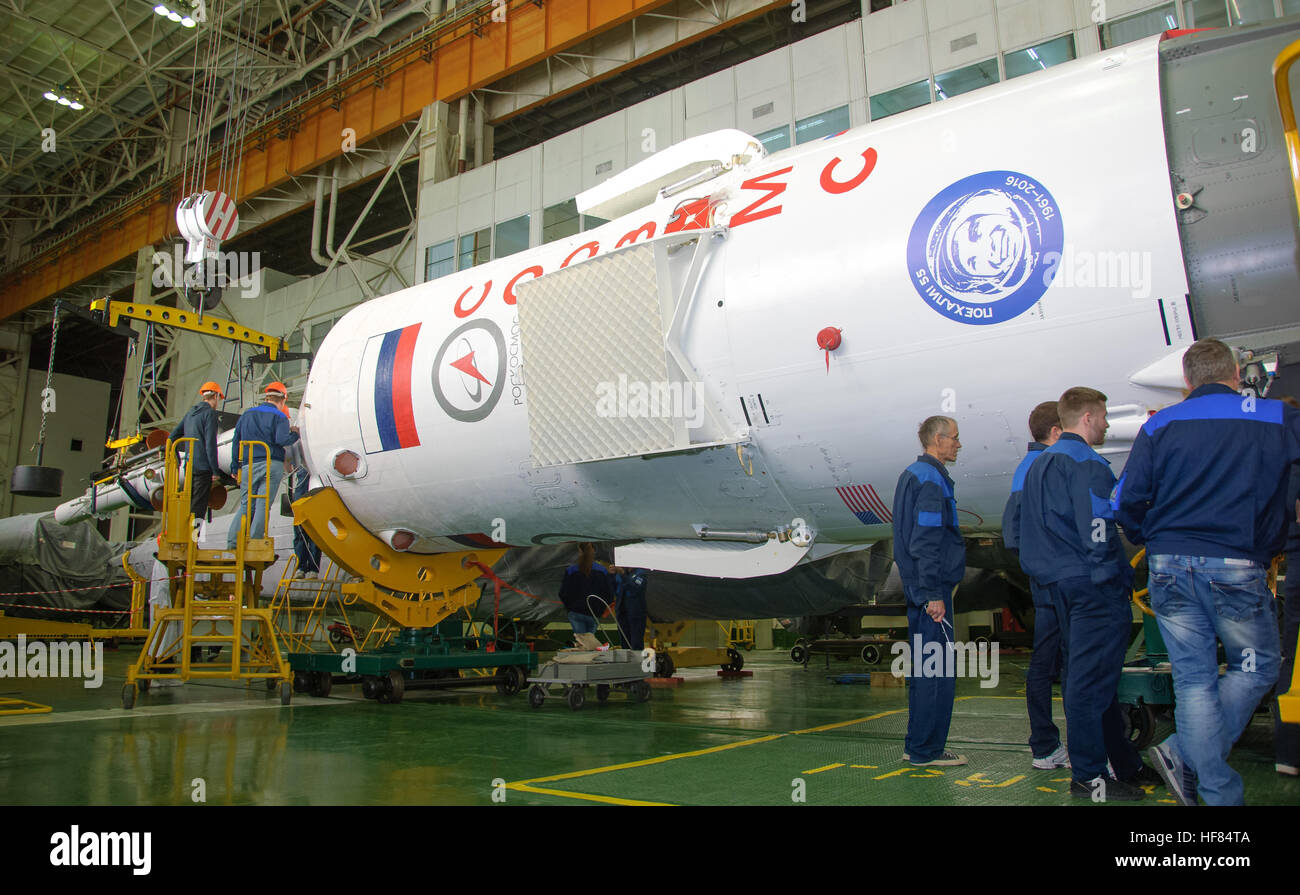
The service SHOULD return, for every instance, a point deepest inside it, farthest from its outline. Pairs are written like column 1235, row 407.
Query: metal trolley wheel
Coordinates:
column 871, row 654
column 799, row 654
column 536, row 695
column 577, row 698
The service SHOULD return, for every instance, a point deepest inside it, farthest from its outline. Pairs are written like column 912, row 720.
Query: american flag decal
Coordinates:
column 865, row 503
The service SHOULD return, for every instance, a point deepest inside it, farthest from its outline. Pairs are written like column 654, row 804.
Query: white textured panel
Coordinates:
column 821, row 73
column 764, row 73
column 1023, row 23
column 476, row 187
column 894, row 66
column 893, row 26
column 514, row 188
column 984, row 47
column 655, row 114
column 713, row 559
column 561, row 167
column 582, row 329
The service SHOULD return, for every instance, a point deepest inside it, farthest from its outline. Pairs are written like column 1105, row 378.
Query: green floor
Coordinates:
column 784, row 732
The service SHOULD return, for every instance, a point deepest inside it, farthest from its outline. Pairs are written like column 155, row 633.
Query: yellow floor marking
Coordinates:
column 829, row 767
column 1062, row 779
column 892, row 773
column 872, row 767
column 1167, row 801
column 1045, row 789
column 977, row 777
column 609, row 800
column 839, row 724
column 646, row 762
column 931, row 772
column 1015, row 779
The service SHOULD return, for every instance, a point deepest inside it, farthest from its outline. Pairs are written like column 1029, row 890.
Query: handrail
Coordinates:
column 1282, row 87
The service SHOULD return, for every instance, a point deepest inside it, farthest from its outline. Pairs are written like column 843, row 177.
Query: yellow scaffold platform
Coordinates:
column 215, row 602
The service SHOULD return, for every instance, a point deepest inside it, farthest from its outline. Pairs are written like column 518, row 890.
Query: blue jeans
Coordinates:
column 929, row 699
column 254, row 477
column 1286, row 737
column 303, row 547
column 1047, row 661
column 1196, row 598
column 582, row 623
column 1095, row 622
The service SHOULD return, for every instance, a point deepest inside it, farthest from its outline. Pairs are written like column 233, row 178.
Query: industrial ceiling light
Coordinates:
column 174, row 16
column 62, row 100
column 187, row 22
column 161, row 10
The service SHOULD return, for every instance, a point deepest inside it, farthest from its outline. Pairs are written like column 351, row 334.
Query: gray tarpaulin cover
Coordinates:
column 816, row 588
column 39, row 554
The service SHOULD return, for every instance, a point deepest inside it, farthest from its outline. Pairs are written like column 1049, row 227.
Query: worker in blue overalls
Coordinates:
column 1205, row 490
column 1047, row 660
column 629, row 594
column 931, row 557
column 1070, row 545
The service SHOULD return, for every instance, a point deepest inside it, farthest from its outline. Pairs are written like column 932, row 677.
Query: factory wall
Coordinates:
column 74, row 434
column 912, row 53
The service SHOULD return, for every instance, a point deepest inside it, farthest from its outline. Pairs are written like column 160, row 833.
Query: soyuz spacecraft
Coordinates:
column 727, row 377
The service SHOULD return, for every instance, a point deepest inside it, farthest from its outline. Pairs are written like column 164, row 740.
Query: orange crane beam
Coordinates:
column 444, row 65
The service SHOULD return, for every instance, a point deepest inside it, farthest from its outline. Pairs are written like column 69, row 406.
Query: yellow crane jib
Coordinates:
column 183, row 319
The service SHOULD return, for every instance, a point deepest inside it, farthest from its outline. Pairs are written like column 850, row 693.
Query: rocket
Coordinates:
column 668, row 381
column 726, row 378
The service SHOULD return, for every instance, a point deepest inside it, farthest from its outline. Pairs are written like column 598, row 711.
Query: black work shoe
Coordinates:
column 1147, row 776
column 1105, row 789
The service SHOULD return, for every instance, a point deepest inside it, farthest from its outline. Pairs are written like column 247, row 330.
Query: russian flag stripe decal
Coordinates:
column 386, row 377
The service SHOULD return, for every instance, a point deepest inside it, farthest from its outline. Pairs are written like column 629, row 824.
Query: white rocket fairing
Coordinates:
column 659, row 380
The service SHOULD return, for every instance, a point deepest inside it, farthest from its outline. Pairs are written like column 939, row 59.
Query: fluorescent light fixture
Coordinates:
column 76, row 106
column 187, row 22
column 51, row 96
column 174, row 16
column 161, row 10
column 64, row 101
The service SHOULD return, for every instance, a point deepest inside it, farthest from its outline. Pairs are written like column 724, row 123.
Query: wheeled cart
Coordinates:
column 573, row 671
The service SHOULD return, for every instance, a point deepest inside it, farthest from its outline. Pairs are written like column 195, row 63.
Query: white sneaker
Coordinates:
column 1060, row 758
column 312, row 575
column 166, row 682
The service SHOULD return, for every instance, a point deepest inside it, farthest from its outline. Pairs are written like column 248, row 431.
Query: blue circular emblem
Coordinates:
column 986, row 248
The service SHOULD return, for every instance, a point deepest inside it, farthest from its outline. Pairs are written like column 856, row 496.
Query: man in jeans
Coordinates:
column 1069, row 544
column 1205, row 490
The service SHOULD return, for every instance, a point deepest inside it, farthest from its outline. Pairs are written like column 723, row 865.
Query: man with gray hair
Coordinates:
column 931, row 557
column 1205, row 490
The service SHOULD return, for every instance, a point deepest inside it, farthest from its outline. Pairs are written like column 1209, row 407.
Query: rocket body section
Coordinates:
column 946, row 252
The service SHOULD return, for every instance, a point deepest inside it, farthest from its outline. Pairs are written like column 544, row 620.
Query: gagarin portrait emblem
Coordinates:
column 469, row 371
column 975, row 253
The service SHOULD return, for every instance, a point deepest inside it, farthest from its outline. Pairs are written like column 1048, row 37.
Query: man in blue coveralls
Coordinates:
column 1070, row 545
column 629, row 595
column 1205, row 490
column 266, row 423
column 931, row 557
column 1046, row 662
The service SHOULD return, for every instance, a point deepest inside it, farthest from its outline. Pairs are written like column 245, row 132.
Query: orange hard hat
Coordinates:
column 276, row 387
column 211, row 387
